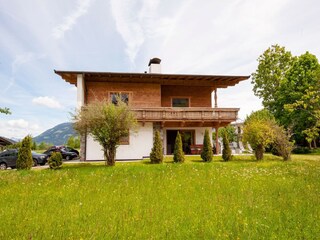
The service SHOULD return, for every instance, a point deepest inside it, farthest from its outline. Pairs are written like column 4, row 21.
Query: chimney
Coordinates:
column 154, row 65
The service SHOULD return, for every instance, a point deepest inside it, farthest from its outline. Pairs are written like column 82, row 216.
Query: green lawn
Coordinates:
column 242, row 199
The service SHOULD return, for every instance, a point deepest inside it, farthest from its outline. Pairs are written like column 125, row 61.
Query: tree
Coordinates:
column 282, row 143
column 156, row 155
column 107, row 123
column 5, row 110
column 25, row 160
column 229, row 130
column 206, row 153
column 226, row 152
column 71, row 142
column 258, row 131
column 310, row 105
column 178, row 155
column 282, row 80
column 34, row 145
column 77, row 142
column 270, row 74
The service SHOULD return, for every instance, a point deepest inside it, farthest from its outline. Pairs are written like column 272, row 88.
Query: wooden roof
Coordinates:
column 214, row 81
column 6, row 141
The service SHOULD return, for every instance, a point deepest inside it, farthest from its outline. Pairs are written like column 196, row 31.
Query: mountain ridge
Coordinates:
column 58, row 135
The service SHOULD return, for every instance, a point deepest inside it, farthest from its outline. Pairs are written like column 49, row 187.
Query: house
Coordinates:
column 165, row 102
column 5, row 142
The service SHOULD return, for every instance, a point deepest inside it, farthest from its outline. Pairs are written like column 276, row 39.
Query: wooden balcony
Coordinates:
column 164, row 114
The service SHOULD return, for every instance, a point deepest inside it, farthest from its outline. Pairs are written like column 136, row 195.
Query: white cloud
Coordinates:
column 59, row 31
column 18, row 128
column 47, row 101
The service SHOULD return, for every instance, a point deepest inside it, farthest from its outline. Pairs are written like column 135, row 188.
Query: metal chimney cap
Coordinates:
column 154, row 61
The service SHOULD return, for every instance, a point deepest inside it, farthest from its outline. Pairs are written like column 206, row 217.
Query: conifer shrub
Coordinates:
column 55, row 161
column 226, row 152
column 178, row 154
column 206, row 153
column 156, row 155
column 25, row 160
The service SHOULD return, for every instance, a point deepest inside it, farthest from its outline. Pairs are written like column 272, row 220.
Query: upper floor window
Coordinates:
column 114, row 96
column 180, row 102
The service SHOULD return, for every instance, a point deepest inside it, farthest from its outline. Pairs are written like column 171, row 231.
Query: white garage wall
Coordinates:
column 139, row 147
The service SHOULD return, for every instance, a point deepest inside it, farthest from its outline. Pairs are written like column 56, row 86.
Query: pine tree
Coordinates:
column 25, row 160
column 178, row 155
column 156, row 155
column 206, row 153
column 226, row 152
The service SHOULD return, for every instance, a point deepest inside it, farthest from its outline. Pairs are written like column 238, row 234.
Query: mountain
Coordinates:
column 57, row 135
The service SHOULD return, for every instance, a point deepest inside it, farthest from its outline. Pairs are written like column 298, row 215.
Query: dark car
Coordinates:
column 65, row 154
column 69, row 149
column 8, row 158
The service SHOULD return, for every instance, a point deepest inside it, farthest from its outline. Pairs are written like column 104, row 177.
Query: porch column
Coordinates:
column 80, row 103
column 217, row 141
column 215, row 98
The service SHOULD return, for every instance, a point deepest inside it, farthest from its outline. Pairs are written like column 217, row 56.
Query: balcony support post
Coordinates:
column 215, row 98
column 217, row 141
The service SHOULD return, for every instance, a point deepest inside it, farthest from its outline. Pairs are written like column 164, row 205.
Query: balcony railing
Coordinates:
column 186, row 114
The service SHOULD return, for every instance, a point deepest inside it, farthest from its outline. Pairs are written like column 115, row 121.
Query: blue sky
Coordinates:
column 190, row 36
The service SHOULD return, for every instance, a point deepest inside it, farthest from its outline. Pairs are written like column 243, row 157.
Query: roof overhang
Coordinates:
column 214, row 81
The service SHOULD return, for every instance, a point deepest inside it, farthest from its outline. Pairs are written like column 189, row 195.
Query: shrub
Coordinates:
column 301, row 150
column 25, row 160
column 226, row 152
column 178, row 155
column 55, row 161
column 206, row 153
column 156, row 155
column 282, row 144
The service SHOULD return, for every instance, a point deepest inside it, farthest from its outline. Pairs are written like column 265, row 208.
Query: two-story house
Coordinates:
column 165, row 102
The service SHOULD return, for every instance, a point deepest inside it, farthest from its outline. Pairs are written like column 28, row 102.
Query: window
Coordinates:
column 180, row 102
column 124, row 140
column 114, row 96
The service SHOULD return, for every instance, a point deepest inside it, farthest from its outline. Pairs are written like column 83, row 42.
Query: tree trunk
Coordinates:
column 315, row 143
column 109, row 155
column 258, row 152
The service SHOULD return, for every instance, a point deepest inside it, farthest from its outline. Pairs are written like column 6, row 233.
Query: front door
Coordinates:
column 187, row 137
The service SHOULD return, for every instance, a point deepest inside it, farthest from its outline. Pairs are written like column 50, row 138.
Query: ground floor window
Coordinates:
column 187, row 137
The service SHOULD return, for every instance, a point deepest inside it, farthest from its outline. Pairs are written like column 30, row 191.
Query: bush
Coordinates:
column 301, row 150
column 156, row 155
column 55, row 161
column 282, row 144
column 25, row 160
column 178, row 155
column 206, row 153
column 226, row 152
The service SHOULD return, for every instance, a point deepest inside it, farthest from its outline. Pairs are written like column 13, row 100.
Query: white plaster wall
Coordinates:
column 199, row 134
column 139, row 147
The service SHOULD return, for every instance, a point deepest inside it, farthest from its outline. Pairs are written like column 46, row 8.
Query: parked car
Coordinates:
column 65, row 154
column 69, row 149
column 8, row 158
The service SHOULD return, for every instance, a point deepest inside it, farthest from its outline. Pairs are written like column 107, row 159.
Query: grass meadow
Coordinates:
column 241, row 199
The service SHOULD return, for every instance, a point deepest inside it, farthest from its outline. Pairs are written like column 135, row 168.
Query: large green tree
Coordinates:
column 107, row 123
column 282, row 80
column 270, row 74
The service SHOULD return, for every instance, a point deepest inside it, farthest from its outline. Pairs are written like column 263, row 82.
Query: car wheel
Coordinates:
column 35, row 163
column 68, row 158
column 3, row 166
